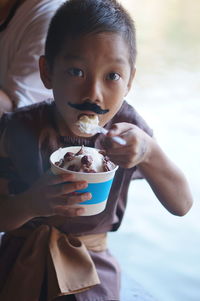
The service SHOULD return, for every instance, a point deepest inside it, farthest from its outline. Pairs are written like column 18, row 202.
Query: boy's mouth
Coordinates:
column 88, row 106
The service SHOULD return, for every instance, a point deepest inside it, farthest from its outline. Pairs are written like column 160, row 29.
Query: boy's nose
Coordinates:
column 93, row 91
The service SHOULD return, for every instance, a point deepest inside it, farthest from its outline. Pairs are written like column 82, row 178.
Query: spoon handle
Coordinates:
column 117, row 139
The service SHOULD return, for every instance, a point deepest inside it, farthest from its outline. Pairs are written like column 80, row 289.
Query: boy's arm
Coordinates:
column 14, row 211
column 166, row 180
column 141, row 150
column 48, row 196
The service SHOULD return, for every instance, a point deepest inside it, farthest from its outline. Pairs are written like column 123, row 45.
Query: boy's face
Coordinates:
column 93, row 69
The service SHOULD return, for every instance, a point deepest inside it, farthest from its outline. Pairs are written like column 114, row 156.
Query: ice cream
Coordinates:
column 87, row 160
column 88, row 124
column 86, row 164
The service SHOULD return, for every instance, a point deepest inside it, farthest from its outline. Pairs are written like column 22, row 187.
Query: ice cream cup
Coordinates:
column 99, row 184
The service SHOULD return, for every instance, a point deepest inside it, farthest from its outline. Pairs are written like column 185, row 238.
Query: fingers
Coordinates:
column 129, row 156
column 74, row 198
column 125, row 158
column 65, row 188
column 69, row 212
column 68, row 206
column 119, row 128
column 129, row 135
column 52, row 179
column 58, row 185
column 135, row 150
column 56, row 193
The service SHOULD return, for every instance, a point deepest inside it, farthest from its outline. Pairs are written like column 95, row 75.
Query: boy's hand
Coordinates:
column 166, row 180
column 51, row 195
column 136, row 149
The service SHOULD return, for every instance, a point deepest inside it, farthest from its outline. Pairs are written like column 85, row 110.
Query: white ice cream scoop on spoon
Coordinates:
column 90, row 125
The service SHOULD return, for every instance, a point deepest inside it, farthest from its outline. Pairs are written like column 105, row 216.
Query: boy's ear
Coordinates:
column 130, row 81
column 45, row 72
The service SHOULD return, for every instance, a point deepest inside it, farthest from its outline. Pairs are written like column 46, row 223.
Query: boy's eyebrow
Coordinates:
column 119, row 60
column 73, row 57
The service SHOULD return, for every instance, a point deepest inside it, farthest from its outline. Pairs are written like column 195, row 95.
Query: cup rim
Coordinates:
column 78, row 172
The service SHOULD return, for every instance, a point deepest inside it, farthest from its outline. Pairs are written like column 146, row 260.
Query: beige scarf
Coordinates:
column 63, row 259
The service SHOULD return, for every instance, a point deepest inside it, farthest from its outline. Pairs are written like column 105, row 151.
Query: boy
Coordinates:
column 50, row 251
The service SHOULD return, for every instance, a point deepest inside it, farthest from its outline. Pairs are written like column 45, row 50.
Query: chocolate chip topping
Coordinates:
column 102, row 152
column 87, row 160
column 107, row 165
column 73, row 167
column 106, row 158
column 87, row 169
column 60, row 163
column 80, row 152
column 69, row 156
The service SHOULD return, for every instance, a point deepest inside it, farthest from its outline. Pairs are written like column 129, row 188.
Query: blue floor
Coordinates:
column 133, row 291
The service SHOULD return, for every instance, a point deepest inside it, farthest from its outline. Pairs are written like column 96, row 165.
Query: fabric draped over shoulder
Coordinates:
column 65, row 260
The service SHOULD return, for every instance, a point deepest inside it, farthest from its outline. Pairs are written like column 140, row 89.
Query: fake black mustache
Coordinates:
column 88, row 106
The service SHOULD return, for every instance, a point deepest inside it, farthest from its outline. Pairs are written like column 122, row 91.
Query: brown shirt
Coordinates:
column 31, row 136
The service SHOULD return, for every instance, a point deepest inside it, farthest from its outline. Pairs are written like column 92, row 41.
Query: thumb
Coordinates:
column 118, row 129
column 114, row 130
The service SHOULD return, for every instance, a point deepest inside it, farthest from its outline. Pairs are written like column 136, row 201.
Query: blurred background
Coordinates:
column 159, row 252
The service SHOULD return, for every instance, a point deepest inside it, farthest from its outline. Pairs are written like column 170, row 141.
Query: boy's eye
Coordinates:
column 113, row 76
column 76, row 72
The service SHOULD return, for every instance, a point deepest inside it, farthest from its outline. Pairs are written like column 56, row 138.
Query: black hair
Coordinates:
column 80, row 17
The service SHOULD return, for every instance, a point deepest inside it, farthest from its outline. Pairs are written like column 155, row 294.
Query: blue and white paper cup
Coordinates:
column 99, row 184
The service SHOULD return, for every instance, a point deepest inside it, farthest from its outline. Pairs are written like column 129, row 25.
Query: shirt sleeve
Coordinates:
column 8, row 175
column 22, row 80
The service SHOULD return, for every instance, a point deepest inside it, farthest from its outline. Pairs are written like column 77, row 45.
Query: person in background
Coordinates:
column 50, row 251
column 23, row 27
